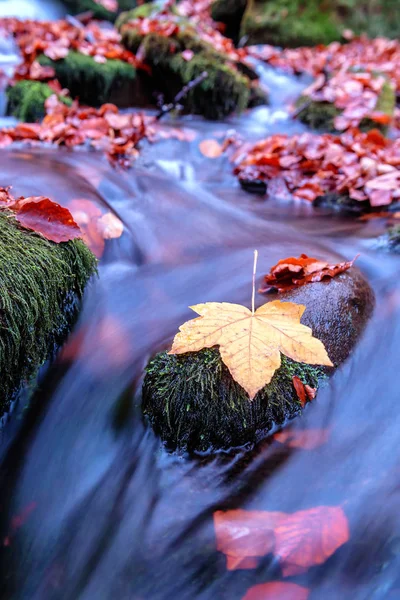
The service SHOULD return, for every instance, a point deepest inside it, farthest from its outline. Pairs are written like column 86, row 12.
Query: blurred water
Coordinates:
column 92, row 506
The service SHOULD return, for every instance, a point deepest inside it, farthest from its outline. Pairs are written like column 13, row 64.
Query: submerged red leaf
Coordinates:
column 49, row 219
column 277, row 590
column 299, row 540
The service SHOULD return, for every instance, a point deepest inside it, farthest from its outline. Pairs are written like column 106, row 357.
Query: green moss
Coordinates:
column 309, row 22
column 26, row 100
column 193, row 403
column 40, row 282
column 94, row 83
column 99, row 12
column 289, row 23
column 321, row 115
column 224, row 91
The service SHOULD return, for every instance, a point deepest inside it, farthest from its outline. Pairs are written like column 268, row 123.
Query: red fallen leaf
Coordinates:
column 304, row 392
column 310, row 537
column 292, row 272
column 307, row 439
column 300, row 540
column 277, row 590
column 210, row 148
column 51, row 220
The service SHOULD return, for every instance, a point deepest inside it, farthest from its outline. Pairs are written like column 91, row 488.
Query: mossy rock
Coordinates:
column 26, row 100
column 321, row 115
column 224, row 91
column 95, row 83
column 309, row 22
column 391, row 240
column 40, row 286
column 193, row 403
column 229, row 12
column 99, row 12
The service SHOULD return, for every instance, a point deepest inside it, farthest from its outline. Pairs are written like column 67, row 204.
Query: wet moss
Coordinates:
column 224, row 91
column 26, row 100
column 391, row 240
column 94, row 83
column 40, row 284
column 289, row 23
column 310, row 22
column 321, row 115
column 194, row 404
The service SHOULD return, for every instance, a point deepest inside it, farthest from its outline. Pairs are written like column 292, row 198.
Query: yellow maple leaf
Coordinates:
column 251, row 342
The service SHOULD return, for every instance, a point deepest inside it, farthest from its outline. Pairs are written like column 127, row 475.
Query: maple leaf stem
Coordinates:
column 253, row 295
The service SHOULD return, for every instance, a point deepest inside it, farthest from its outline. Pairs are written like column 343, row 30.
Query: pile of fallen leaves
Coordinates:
column 364, row 167
column 355, row 95
column 42, row 215
column 291, row 273
column 104, row 129
column 373, row 55
column 55, row 39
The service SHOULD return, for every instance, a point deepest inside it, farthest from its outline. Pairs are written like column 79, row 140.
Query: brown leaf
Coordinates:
column 211, row 148
column 49, row 219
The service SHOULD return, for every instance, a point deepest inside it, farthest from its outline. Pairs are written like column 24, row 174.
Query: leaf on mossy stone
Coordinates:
column 305, row 393
column 277, row 590
column 48, row 218
column 250, row 344
column 300, row 540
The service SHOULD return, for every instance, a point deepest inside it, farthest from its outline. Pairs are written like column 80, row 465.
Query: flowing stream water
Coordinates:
column 92, row 506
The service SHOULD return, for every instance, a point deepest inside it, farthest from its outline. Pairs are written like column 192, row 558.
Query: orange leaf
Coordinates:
column 51, row 220
column 277, row 590
column 308, row 439
column 110, row 226
column 211, row 148
column 299, row 540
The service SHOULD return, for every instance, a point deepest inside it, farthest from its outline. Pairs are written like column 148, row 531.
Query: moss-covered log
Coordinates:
column 40, row 285
column 321, row 115
column 95, row 83
column 193, row 403
column 26, row 100
column 309, row 22
column 225, row 90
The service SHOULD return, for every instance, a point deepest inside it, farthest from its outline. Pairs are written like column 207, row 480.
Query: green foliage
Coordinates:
column 94, row 83
column 26, row 100
column 193, row 403
column 224, row 91
column 40, row 282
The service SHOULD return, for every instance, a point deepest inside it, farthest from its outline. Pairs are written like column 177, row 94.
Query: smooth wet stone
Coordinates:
column 193, row 403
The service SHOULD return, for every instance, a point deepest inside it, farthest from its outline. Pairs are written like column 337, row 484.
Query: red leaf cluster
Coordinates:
column 56, row 38
column 104, row 128
column 42, row 215
column 290, row 273
column 375, row 55
column 299, row 540
column 362, row 166
column 354, row 94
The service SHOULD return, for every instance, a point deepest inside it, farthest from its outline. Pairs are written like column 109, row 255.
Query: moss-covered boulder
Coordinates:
column 225, row 90
column 309, row 22
column 321, row 115
column 40, row 286
column 99, row 11
column 391, row 240
column 193, row 403
column 95, row 83
column 26, row 99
